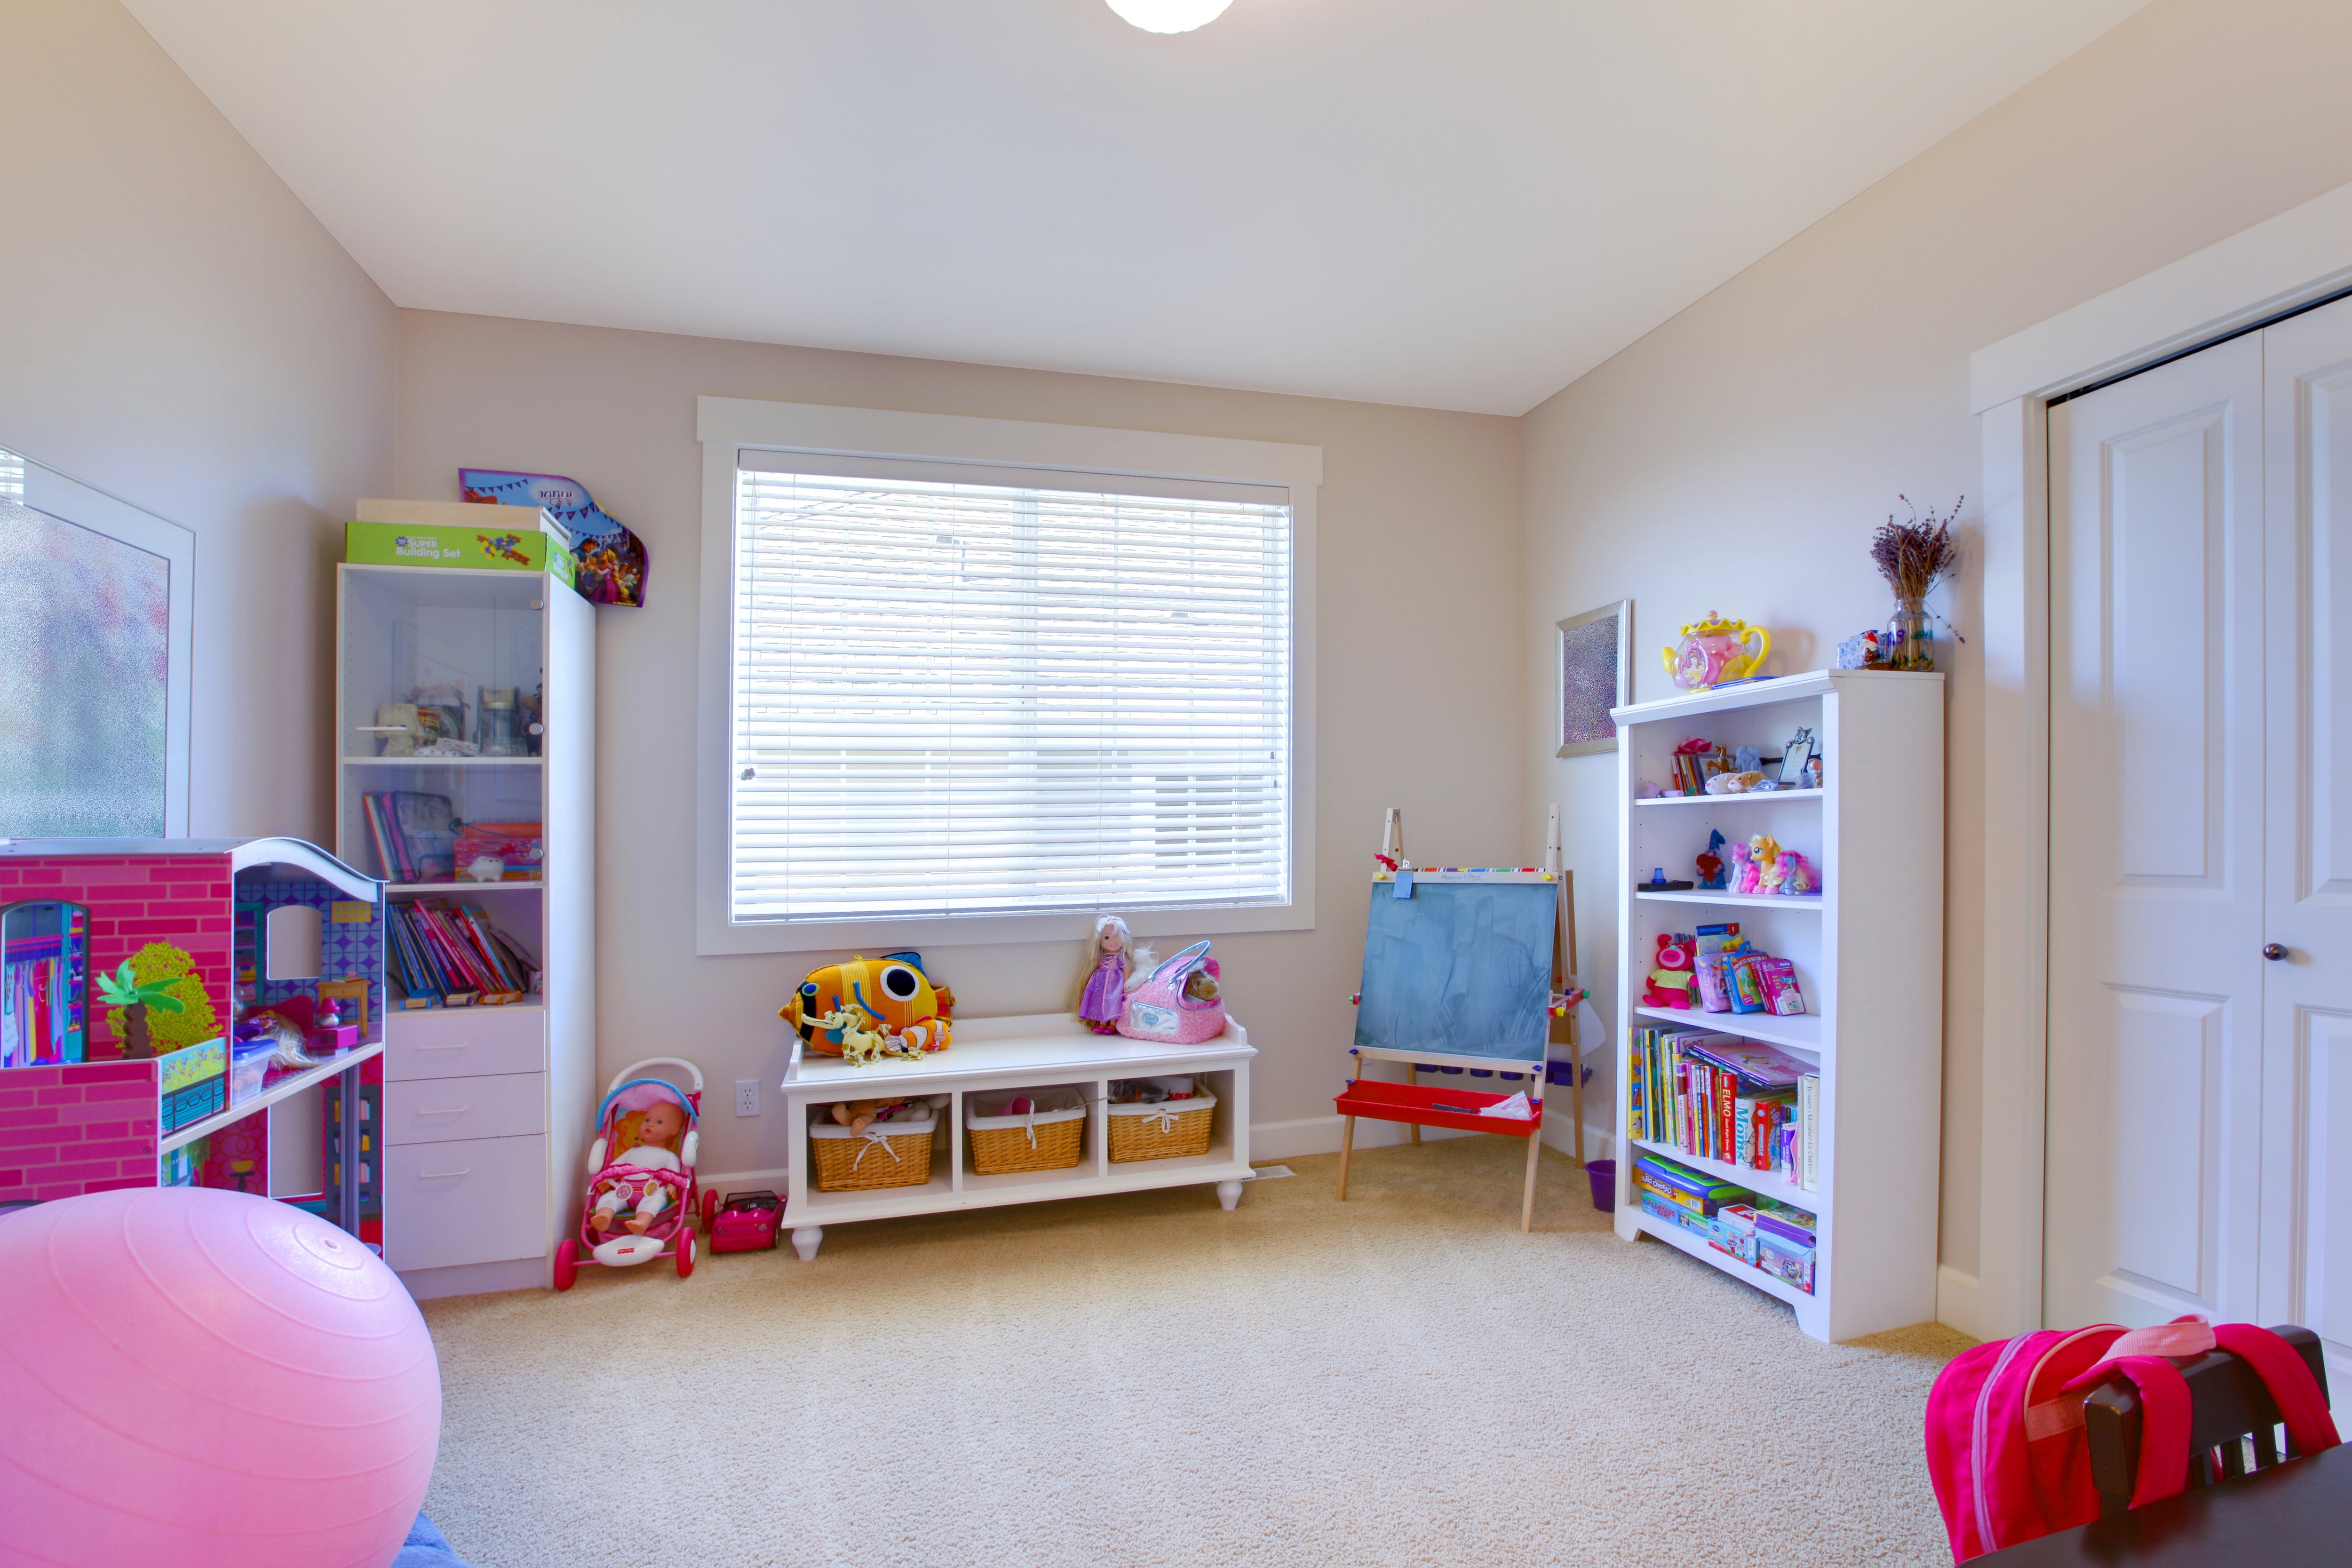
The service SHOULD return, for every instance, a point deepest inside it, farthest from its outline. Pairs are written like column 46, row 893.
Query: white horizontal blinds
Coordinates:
column 962, row 697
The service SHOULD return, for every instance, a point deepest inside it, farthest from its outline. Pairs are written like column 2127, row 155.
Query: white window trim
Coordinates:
column 725, row 426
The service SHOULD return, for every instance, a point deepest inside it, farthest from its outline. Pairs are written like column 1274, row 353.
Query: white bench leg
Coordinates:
column 1229, row 1193
column 806, row 1240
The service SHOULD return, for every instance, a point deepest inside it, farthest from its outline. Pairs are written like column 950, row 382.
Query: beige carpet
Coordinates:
column 1143, row 1380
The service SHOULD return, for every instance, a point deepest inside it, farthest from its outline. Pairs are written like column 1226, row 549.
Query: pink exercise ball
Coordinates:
column 195, row 1378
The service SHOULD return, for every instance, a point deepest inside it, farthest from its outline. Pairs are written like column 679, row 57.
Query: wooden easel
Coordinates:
column 1410, row 1103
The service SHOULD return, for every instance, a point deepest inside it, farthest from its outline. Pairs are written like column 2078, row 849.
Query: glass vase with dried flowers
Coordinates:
column 1913, row 557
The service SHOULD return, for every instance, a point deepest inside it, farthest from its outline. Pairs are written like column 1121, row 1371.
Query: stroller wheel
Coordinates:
column 709, row 1210
column 686, row 1252
column 567, row 1263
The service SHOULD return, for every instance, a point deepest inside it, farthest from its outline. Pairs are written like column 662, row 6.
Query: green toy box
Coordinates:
column 459, row 534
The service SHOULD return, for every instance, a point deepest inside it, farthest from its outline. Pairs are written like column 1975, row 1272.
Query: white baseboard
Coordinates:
column 1320, row 1135
column 1291, row 1140
column 477, row 1278
column 1959, row 1304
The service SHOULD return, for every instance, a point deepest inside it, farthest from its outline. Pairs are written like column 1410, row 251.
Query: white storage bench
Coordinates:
column 1040, row 1051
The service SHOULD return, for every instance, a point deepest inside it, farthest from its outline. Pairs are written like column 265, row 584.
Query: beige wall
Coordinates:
column 182, row 333
column 1418, row 708
column 1737, row 457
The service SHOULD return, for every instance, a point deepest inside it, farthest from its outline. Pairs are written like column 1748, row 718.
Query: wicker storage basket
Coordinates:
column 1168, row 1130
column 1050, row 1138
column 886, row 1155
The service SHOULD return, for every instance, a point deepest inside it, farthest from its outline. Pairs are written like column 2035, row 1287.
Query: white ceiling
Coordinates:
column 1456, row 203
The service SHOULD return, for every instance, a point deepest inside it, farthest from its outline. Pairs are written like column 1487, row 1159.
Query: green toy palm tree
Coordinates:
column 122, row 989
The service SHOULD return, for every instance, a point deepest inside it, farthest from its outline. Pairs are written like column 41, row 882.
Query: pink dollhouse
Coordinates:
column 229, row 929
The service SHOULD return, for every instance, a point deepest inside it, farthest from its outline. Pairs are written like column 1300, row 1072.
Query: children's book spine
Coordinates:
column 1808, row 1137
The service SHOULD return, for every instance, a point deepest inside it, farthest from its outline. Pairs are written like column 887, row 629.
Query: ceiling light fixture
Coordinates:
column 1169, row 15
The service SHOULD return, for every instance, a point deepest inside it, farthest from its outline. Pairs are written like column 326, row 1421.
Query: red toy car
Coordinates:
column 747, row 1221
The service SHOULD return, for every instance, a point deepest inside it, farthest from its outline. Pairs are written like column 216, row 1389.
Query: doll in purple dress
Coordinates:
column 1114, row 967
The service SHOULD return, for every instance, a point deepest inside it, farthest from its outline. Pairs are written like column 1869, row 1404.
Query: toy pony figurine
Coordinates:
column 1764, row 864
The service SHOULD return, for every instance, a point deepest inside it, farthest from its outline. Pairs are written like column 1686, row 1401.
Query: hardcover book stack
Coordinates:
column 448, row 956
column 1719, row 1097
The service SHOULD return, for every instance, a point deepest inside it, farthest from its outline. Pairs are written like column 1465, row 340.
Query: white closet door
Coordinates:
column 2308, row 994
column 2156, row 850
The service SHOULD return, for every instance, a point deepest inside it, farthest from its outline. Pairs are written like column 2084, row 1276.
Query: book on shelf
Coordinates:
column 415, row 835
column 1809, row 1113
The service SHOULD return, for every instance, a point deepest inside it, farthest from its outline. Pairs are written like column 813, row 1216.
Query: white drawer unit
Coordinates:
column 464, row 1042
column 438, row 1110
column 475, row 1200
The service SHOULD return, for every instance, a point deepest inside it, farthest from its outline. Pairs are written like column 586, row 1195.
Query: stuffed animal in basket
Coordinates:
column 891, row 996
column 1670, row 973
column 628, row 1187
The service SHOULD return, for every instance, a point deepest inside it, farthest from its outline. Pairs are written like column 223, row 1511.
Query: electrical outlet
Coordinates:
column 747, row 1097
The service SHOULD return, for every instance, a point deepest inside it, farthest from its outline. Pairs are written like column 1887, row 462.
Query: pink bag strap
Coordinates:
column 2292, row 1388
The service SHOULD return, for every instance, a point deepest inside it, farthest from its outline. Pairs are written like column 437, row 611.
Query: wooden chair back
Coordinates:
column 2233, row 1424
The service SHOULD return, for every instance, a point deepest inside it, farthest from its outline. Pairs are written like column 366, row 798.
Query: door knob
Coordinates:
column 2274, row 951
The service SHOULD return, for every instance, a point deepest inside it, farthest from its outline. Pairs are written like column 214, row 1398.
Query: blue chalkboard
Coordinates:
column 1462, row 968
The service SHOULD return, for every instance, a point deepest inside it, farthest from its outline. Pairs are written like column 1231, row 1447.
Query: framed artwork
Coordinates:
column 94, row 690
column 1596, row 674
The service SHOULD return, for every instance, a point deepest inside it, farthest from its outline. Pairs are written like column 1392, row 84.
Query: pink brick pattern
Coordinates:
column 84, row 1127
column 133, row 900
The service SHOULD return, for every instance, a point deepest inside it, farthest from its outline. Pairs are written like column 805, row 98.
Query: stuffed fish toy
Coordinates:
column 892, row 994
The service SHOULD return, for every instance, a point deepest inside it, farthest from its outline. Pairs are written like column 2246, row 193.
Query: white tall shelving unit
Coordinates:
column 486, row 1109
column 1869, row 953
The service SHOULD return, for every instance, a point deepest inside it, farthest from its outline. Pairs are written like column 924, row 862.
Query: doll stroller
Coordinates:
column 634, row 1091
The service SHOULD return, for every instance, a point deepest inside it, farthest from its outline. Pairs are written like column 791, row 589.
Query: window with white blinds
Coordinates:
column 971, row 691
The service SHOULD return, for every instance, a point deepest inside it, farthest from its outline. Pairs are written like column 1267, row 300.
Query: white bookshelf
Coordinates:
column 1869, row 955
column 486, row 1111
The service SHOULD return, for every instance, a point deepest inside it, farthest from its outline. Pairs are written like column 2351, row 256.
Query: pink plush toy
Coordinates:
column 1670, row 978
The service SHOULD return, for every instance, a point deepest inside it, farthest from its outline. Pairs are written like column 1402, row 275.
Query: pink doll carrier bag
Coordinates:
column 636, row 1087
column 1159, row 1010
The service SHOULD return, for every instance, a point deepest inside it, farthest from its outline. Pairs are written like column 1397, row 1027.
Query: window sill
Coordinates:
column 921, row 932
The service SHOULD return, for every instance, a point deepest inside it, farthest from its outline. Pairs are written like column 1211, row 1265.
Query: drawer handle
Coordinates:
column 453, row 1046
column 443, row 1175
column 453, row 1111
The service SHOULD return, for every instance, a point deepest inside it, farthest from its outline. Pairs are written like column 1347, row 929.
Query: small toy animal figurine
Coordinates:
column 640, row 1197
column 1670, row 978
column 1797, row 875
column 1742, row 874
column 1710, row 861
column 1764, row 862
column 1115, row 966
column 1202, row 985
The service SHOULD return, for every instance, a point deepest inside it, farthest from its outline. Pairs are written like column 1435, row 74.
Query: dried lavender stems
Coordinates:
column 1914, row 556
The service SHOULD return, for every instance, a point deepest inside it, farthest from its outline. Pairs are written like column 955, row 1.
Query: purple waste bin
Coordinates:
column 1604, row 1184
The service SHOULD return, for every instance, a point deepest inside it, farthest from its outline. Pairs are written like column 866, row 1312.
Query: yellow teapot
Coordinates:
column 1716, row 650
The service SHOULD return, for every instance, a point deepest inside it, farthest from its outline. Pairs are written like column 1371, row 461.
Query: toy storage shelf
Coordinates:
column 404, row 633
column 1741, row 901
column 286, row 1087
column 1868, row 952
column 1770, row 797
column 1040, row 1051
column 1803, row 1033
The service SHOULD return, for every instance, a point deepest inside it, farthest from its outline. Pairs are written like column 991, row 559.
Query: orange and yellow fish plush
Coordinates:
column 892, row 991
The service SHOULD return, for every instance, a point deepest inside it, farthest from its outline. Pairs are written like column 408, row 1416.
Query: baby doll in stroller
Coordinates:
column 633, row 1185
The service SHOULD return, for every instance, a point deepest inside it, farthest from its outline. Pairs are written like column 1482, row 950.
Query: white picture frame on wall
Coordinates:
column 1593, row 662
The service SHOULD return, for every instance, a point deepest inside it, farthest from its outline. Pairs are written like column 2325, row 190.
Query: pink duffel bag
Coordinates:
column 1165, row 1006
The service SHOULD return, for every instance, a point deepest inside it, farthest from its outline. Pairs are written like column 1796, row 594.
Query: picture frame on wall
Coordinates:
column 1596, row 673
